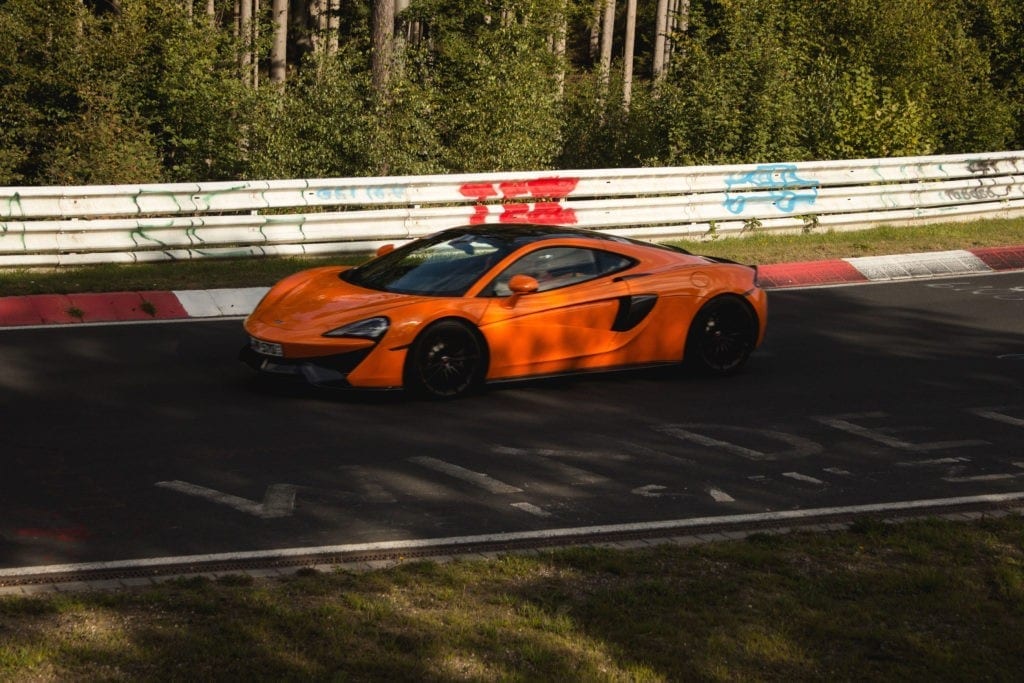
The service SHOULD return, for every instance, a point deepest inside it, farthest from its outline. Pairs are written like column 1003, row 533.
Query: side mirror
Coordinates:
column 523, row 284
column 520, row 284
column 385, row 249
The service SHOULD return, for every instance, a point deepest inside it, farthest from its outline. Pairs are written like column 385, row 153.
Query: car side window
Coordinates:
column 557, row 267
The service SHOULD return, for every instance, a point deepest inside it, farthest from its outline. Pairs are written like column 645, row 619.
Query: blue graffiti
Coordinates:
column 784, row 188
column 372, row 193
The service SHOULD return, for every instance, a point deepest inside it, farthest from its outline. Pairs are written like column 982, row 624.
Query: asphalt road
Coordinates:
column 151, row 440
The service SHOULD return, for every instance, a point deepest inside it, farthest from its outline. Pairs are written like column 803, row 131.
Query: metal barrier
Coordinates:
column 58, row 226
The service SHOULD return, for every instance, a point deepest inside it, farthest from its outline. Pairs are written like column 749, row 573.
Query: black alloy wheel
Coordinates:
column 721, row 337
column 446, row 360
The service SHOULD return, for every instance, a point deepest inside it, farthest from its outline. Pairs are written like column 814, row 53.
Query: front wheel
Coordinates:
column 722, row 337
column 446, row 360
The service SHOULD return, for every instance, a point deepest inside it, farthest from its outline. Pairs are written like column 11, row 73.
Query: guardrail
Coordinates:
column 57, row 226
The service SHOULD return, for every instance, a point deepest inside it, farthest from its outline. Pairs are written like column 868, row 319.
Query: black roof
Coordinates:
column 524, row 233
column 530, row 232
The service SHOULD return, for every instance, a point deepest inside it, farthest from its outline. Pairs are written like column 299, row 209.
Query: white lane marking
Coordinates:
column 842, row 423
column 478, row 479
column 649, row 491
column 558, row 453
column 574, row 475
column 983, row 477
column 839, row 470
column 933, row 461
column 799, row 446
column 1019, row 463
column 702, row 440
column 994, row 414
column 802, row 477
column 720, row 496
column 672, row 525
column 279, row 500
column 531, row 509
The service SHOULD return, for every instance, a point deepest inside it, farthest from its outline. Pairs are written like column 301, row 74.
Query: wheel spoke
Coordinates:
column 725, row 336
column 448, row 361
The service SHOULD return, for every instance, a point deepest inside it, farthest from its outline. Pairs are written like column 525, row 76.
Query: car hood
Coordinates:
column 318, row 300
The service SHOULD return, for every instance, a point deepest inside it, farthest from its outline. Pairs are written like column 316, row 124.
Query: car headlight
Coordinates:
column 371, row 328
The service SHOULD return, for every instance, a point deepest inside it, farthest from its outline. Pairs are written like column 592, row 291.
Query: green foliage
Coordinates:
column 599, row 132
column 196, row 103
column 759, row 81
column 102, row 146
column 404, row 137
column 495, row 82
column 152, row 94
column 147, row 95
column 862, row 118
column 919, row 54
column 317, row 127
column 34, row 97
column 735, row 91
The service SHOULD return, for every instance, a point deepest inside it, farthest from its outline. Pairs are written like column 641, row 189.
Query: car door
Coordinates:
column 568, row 324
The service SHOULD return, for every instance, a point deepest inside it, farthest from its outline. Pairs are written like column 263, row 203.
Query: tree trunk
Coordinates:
column 660, row 29
column 245, row 28
column 317, row 24
column 627, row 57
column 333, row 25
column 595, row 30
column 401, row 39
column 383, row 39
column 679, row 22
column 279, row 46
column 559, row 46
column 607, row 34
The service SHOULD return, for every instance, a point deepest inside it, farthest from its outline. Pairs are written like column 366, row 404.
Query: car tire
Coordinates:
column 447, row 360
column 721, row 337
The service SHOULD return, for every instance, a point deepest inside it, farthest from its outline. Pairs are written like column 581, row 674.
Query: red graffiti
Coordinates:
column 546, row 210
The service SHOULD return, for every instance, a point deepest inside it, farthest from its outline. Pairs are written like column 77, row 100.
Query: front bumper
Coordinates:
column 322, row 371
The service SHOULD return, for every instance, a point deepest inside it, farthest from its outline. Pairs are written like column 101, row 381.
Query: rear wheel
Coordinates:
column 722, row 336
column 446, row 360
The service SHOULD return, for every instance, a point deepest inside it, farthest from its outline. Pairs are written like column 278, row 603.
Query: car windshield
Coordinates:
column 445, row 264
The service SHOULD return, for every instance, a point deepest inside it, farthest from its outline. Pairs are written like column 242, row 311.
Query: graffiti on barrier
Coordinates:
column 546, row 209
column 991, row 166
column 976, row 194
column 776, row 184
column 375, row 193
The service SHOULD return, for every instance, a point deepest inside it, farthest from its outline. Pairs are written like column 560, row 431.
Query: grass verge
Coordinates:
column 759, row 248
column 923, row 600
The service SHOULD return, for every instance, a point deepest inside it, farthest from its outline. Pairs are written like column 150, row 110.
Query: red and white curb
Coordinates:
column 44, row 310
column 892, row 268
column 220, row 303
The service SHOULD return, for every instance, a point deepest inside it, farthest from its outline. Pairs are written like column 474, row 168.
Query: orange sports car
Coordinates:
column 444, row 314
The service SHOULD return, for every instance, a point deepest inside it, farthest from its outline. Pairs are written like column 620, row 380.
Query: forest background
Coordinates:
column 141, row 91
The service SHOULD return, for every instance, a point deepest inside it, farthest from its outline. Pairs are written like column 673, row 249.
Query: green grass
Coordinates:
column 759, row 248
column 927, row 600
column 763, row 247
